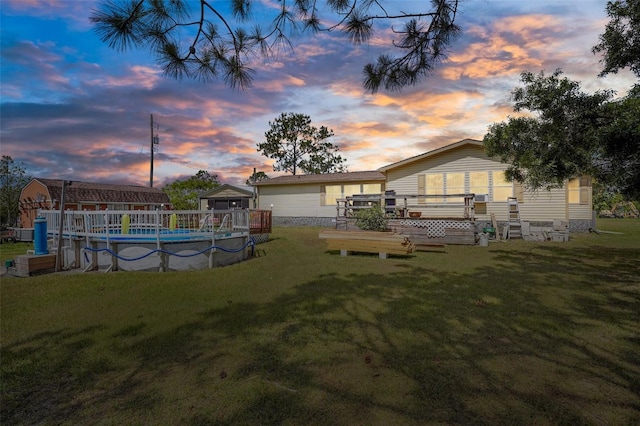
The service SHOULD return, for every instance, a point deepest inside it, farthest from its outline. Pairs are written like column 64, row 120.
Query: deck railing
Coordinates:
column 134, row 224
column 400, row 204
column 260, row 221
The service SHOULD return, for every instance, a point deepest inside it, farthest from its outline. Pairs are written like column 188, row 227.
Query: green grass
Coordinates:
column 514, row 333
column 9, row 251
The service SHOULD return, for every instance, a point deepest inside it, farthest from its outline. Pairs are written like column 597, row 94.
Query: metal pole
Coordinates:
column 59, row 254
column 255, row 198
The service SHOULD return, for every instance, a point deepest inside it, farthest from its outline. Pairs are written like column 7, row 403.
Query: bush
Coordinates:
column 372, row 219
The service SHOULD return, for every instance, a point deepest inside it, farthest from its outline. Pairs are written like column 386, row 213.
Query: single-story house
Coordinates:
column 226, row 197
column 312, row 199
column 47, row 193
column 438, row 175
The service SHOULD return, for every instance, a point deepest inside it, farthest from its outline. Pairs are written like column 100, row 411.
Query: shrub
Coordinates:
column 372, row 219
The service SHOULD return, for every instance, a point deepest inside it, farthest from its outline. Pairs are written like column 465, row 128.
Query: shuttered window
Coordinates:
column 422, row 183
column 579, row 190
column 518, row 191
column 501, row 188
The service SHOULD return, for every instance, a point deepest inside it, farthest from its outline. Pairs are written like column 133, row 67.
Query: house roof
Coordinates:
column 373, row 175
column 241, row 190
column 81, row 192
column 431, row 153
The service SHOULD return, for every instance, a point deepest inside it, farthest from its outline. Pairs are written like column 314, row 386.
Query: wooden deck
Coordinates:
column 444, row 231
column 383, row 243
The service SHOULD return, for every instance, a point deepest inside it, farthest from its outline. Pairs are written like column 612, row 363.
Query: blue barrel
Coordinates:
column 40, row 236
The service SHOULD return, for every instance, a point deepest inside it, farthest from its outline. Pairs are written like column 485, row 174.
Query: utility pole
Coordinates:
column 154, row 141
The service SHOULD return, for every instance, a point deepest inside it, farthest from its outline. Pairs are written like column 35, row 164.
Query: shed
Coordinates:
column 226, row 197
column 42, row 193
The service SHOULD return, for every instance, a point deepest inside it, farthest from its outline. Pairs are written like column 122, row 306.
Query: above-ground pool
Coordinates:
column 167, row 252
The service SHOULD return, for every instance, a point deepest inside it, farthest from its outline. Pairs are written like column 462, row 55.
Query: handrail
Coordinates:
column 108, row 224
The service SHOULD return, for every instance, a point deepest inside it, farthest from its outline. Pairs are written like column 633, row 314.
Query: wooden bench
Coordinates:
column 383, row 243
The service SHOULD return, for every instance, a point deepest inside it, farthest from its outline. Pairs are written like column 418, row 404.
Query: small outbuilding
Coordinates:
column 226, row 197
column 46, row 194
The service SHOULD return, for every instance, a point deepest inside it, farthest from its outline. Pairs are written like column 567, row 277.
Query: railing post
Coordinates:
column 106, row 227
column 158, row 229
column 213, row 240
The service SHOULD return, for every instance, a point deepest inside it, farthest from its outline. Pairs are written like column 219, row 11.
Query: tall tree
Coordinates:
column 256, row 177
column 210, row 43
column 620, row 43
column 298, row 146
column 566, row 133
column 184, row 193
column 13, row 178
column 617, row 160
column 569, row 132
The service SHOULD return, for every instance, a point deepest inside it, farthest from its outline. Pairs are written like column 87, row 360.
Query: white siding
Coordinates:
column 578, row 211
column 536, row 206
column 404, row 179
column 582, row 211
column 294, row 201
column 304, row 200
column 539, row 206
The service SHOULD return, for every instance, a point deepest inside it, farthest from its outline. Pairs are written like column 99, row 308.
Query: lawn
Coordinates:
column 514, row 333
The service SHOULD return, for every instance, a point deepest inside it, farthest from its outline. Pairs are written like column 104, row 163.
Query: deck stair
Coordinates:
column 515, row 224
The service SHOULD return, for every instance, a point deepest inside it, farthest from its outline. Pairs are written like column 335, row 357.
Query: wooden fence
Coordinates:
column 260, row 221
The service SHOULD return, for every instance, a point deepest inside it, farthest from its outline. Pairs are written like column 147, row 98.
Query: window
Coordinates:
column 117, row 207
column 485, row 182
column 455, row 185
column 502, row 189
column 573, row 191
column 372, row 188
column 441, row 184
column 434, row 186
column 349, row 190
column 578, row 190
column 479, row 182
column 332, row 193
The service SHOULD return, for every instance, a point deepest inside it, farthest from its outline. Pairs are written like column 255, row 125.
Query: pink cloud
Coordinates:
column 509, row 46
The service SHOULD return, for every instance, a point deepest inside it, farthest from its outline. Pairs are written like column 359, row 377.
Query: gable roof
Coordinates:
column 82, row 192
column 432, row 153
column 373, row 175
column 227, row 187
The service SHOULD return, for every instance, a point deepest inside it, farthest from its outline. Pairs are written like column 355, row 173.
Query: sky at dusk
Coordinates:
column 72, row 108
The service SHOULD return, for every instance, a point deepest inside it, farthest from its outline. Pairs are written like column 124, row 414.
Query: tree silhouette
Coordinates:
column 211, row 43
column 298, row 146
